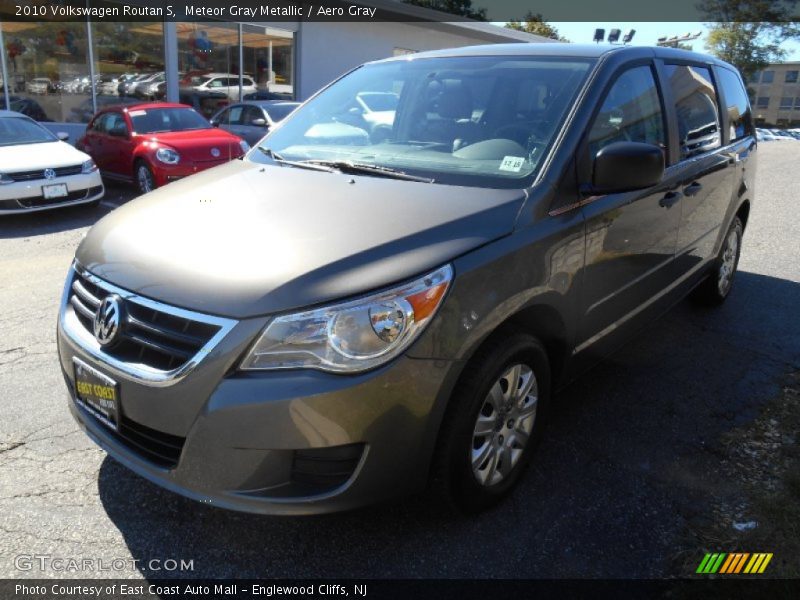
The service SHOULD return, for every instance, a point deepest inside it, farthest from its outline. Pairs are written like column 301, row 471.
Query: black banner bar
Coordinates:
column 387, row 10
column 723, row 587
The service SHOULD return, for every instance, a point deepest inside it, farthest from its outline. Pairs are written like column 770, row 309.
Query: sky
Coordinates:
column 648, row 33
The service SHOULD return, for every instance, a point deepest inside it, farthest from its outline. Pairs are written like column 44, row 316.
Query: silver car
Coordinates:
column 252, row 120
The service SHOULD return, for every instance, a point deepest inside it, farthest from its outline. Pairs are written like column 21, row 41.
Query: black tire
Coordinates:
column 454, row 480
column 717, row 286
column 138, row 171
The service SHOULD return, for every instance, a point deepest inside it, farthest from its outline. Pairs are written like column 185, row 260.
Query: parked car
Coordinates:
column 28, row 107
column 326, row 323
column 227, row 83
column 39, row 170
column 152, row 144
column 129, row 88
column 148, row 89
column 764, row 136
column 38, row 85
column 268, row 95
column 109, row 84
column 251, row 121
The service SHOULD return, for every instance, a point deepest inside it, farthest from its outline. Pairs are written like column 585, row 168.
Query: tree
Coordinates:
column 462, row 8
column 749, row 33
column 535, row 24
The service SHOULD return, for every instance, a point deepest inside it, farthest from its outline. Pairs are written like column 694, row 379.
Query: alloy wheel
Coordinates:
column 728, row 266
column 504, row 425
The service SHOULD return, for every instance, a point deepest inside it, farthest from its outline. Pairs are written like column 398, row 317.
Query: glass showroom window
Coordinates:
column 48, row 68
column 129, row 62
column 208, row 61
column 268, row 59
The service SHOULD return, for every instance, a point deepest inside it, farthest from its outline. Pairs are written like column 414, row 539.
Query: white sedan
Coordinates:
column 39, row 170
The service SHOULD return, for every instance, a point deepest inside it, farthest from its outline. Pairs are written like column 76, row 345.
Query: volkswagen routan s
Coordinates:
column 359, row 309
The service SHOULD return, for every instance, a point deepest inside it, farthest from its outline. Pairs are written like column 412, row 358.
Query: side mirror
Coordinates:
column 627, row 166
column 63, row 136
column 259, row 122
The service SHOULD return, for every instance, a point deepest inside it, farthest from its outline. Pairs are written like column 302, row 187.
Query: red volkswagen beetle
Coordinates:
column 154, row 143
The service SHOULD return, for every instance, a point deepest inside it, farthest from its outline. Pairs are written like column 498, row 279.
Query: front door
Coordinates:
column 631, row 237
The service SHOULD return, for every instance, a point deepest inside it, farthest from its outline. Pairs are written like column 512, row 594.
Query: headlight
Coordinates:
column 5, row 179
column 168, row 156
column 352, row 336
column 88, row 167
column 244, row 145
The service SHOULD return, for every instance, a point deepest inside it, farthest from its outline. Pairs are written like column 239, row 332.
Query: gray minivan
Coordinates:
column 351, row 313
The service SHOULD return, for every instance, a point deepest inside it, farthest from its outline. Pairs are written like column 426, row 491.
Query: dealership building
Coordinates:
column 62, row 72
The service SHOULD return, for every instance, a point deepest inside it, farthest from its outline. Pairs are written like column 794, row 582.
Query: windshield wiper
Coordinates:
column 346, row 166
column 294, row 163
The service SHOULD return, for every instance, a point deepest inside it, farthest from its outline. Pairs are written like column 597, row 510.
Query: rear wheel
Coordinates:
column 145, row 181
column 716, row 288
column 494, row 422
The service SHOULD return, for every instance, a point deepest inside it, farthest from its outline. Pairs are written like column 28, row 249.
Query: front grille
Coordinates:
column 158, row 447
column 39, row 173
column 36, row 201
column 154, row 338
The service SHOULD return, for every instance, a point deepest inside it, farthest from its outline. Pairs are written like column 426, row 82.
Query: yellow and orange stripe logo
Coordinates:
column 734, row 563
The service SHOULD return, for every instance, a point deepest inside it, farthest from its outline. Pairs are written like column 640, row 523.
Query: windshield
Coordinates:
column 483, row 121
column 16, row 130
column 378, row 101
column 158, row 120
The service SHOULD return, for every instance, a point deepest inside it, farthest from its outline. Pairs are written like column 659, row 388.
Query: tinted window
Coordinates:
column 738, row 106
column 696, row 108
column 630, row 113
column 250, row 114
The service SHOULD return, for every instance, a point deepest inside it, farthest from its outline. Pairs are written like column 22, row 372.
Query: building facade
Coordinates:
column 776, row 98
column 61, row 73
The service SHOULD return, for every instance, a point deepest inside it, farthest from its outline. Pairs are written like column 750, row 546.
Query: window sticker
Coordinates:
column 512, row 163
column 137, row 113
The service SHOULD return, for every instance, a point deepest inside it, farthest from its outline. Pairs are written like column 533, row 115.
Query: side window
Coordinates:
column 99, row 124
column 223, row 117
column 247, row 81
column 215, row 83
column 250, row 114
column 739, row 114
column 696, row 107
column 631, row 112
column 115, row 124
column 235, row 115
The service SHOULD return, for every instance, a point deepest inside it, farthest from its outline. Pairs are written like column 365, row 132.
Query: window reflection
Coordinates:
column 696, row 106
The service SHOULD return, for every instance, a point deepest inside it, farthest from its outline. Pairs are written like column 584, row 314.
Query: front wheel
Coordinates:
column 495, row 420
column 145, row 180
column 716, row 288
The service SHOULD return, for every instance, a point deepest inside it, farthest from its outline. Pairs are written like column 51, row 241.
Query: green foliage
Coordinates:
column 749, row 33
column 462, row 8
column 535, row 24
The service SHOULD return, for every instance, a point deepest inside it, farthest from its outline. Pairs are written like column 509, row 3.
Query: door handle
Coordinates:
column 693, row 189
column 669, row 199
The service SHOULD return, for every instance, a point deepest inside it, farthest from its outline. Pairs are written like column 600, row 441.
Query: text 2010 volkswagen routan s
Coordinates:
column 361, row 307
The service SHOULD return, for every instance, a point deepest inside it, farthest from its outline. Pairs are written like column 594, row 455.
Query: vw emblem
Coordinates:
column 107, row 320
column 215, row 152
column 49, row 174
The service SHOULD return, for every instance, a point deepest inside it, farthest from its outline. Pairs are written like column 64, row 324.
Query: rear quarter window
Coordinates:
column 740, row 116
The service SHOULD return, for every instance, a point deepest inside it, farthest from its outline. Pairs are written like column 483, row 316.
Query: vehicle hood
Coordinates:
column 29, row 157
column 197, row 145
column 245, row 239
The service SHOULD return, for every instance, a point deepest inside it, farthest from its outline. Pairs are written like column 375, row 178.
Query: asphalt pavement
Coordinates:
column 629, row 461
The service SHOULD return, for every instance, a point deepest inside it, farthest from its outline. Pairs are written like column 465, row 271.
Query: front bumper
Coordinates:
column 287, row 442
column 23, row 197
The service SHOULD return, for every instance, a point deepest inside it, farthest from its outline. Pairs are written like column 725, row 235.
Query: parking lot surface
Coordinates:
column 629, row 461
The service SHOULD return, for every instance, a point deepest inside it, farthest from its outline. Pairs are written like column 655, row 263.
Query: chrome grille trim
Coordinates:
column 76, row 298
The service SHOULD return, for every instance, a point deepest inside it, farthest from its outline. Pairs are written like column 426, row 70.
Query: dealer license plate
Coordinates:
column 96, row 392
